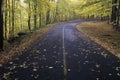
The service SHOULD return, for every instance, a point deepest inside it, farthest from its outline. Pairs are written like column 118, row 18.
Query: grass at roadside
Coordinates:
column 103, row 34
column 17, row 47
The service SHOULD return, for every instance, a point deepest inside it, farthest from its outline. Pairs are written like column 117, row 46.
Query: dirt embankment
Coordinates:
column 103, row 34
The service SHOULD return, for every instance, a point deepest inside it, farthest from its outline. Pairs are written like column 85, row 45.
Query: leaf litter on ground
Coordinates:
column 103, row 34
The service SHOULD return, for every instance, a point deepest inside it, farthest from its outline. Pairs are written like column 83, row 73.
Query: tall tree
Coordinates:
column 9, row 17
column 48, row 16
column 118, row 14
column 35, row 14
column 114, row 12
column 5, row 20
column 13, row 17
column 29, row 16
column 1, row 26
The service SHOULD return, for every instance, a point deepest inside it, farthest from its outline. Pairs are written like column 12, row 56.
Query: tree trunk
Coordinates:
column 1, row 26
column 13, row 11
column 21, row 21
column 114, row 12
column 48, row 17
column 5, row 21
column 29, row 18
column 9, row 19
column 118, row 15
column 29, row 26
column 35, row 15
column 40, row 19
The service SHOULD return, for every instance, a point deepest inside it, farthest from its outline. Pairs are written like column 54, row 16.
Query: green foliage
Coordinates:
column 33, row 14
column 97, row 8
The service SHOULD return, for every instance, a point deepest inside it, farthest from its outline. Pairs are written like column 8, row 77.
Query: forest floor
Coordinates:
column 21, row 44
column 103, row 34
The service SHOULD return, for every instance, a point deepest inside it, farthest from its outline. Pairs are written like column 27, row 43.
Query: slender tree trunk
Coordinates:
column 21, row 21
column 118, row 15
column 35, row 21
column 40, row 19
column 35, row 15
column 6, row 15
column 29, row 26
column 13, row 11
column 29, row 18
column 114, row 12
column 56, row 12
column 48, row 17
column 9, row 19
column 1, row 26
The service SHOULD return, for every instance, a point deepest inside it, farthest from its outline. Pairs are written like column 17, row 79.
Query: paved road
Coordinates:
column 63, row 53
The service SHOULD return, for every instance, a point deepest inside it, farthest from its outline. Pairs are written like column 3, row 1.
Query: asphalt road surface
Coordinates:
column 63, row 53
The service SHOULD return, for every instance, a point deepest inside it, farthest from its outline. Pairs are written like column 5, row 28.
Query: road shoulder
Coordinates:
column 103, row 34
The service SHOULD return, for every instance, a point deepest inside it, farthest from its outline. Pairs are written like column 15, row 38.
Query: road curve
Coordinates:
column 63, row 53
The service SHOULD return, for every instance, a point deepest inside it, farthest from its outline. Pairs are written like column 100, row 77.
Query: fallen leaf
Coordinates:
column 44, row 50
column 11, row 62
column 117, row 68
column 69, row 70
column 34, row 69
column 1, row 65
column 118, row 74
column 51, row 67
column 110, row 74
column 97, row 79
column 97, row 65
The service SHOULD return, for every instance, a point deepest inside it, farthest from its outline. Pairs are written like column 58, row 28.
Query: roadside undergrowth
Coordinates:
column 16, row 48
column 103, row 34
